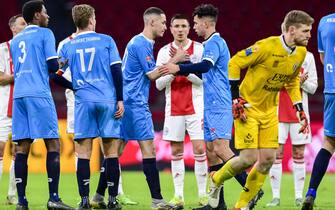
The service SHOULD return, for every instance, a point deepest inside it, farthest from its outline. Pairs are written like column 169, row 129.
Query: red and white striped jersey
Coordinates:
column 6, row 92
column 286, row 111
column 184, row 95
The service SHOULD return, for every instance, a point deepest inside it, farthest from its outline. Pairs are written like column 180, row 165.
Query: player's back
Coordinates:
column 138, row 60
column 90, row 56
column 216, row 83
column 326, row 43
column 30, row 51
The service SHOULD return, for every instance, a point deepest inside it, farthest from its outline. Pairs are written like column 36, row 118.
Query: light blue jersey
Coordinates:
column 30, row 50
column 326, row 45
column 138, row 61
column 216, row 83
column 90, row 56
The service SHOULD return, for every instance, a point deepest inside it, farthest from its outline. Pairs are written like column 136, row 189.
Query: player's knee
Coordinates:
column 198, row 149
column 248, row 160
column 266, row 163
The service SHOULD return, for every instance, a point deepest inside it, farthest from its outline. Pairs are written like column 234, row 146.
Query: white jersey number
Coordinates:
column 22, row 46
column 82, row 60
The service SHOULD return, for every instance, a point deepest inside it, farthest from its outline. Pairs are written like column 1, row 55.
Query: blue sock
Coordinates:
column 319, row 169
column 112, row 176
column 221, row 198
column 152, row 175
column 102, row 185
column 21, row 175
column 83, row 177
column 53, row 170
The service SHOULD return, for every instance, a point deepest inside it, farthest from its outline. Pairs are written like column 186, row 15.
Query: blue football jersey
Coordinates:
column 90, row 56
column 138, row 61
column 216, row 82
column 326, row 45
column 30, row 51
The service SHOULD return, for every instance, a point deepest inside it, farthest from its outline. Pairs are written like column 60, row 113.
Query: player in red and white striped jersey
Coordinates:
column 289, row 124
column 183, row 110
column 16, row 24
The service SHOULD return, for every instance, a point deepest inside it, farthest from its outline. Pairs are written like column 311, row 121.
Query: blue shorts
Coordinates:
column 93, row 119
column 34, row 118
column 137, row 123
column 218, row 124
column 329, row 115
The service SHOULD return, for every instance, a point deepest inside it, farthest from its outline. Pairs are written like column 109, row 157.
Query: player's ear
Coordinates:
column 291, row 30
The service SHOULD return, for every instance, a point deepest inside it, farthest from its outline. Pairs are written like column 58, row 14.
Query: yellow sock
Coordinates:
column 226, row 172
column 254, row 183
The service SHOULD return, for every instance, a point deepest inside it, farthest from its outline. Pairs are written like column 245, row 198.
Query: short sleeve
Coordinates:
column 211, row 52
column 146, row 58
column 114, row 55
column 49, row 45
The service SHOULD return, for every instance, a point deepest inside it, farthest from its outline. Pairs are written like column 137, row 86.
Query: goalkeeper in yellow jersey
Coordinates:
column 271, row 64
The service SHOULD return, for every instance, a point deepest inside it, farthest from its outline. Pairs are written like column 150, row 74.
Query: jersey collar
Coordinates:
column 211, row 36
column 150, row 40
column 189, row 42
column 31, row 26
column 289, row 49
column 85, row 32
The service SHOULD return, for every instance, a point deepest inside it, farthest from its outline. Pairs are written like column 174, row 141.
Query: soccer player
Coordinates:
column 218, row 119
column 139, row 68
column 16, row 25
column 326, row 41
column 95, row 67
column 289, row 124
column 34, row 114
column 183, row 110
column 271, row 63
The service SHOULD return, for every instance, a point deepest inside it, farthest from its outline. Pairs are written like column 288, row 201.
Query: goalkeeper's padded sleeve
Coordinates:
column 118, row 80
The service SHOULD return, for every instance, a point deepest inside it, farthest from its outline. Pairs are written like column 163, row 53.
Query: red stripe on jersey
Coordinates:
column 287, row 112
column 11, row 88
column 181, row 93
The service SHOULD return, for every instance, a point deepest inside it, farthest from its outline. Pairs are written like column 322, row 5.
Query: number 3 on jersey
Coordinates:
column 82, row 60
column 22, row 46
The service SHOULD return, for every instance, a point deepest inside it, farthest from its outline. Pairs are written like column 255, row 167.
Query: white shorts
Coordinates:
column 70, row 110
column 296, row 137
column 175, row 127
column 5, row 128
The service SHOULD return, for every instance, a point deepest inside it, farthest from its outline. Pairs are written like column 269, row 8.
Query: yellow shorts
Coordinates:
column 258, row 132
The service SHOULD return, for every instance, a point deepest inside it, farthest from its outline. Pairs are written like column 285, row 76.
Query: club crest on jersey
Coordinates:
column 250, row 50
column 148, row 58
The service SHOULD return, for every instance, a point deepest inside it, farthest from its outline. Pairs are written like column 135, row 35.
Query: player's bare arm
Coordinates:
column 6, row 79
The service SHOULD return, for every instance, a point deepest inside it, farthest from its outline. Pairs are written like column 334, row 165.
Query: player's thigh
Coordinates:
column 42, row 118
column 194, row 126
column 174, row 128
column 283, row 131
column 147, row 148
column 217, row 124
column 111, row 147
column 329, row 115
column 20, row 130
column 85, row 120
column 108, row 126
column 83, row 148
column 299, row 138
column 246, row 133
column 268, row 132
column 5, row 129
column 137, row 123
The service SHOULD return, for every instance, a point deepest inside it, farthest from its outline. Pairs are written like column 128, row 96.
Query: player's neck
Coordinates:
column 148, row 33
column 289, row 41
column 209, row 32
column 83, row 30
column 182, row 43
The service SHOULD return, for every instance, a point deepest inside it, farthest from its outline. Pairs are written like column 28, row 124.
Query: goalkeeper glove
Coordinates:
column 238, row 108
column 302, row 118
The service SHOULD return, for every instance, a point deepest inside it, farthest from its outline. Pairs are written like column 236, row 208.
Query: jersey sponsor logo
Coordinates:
column 271, row 88
column 280, row 56
column 278, row 78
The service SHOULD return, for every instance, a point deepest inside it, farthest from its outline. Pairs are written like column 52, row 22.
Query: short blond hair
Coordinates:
column 81, row 14
column 296, row 18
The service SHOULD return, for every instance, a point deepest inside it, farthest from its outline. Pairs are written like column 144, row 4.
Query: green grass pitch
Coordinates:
column 135, row 186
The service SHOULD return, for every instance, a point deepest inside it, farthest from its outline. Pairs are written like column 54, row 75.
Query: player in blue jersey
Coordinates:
column 95, row 67
column 139, row 68
column 218, row 119
column 34, row 114
column 326, row 43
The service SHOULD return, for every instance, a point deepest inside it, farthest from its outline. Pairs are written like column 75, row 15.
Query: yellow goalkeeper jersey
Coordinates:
column 271, row 65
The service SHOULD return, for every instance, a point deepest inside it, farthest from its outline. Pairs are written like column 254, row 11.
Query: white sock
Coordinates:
column 120, row 189
column 200, row 171
column 178, row 173
column 12, row 186
column 299, row 174
column 275, row 179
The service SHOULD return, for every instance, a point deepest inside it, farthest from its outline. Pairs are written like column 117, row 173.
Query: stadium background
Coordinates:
column 241, row 23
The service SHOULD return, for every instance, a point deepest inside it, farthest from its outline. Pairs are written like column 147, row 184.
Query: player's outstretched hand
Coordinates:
column 303, row 121
column 120, row 110
column 238, row 108
column 172, row 68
